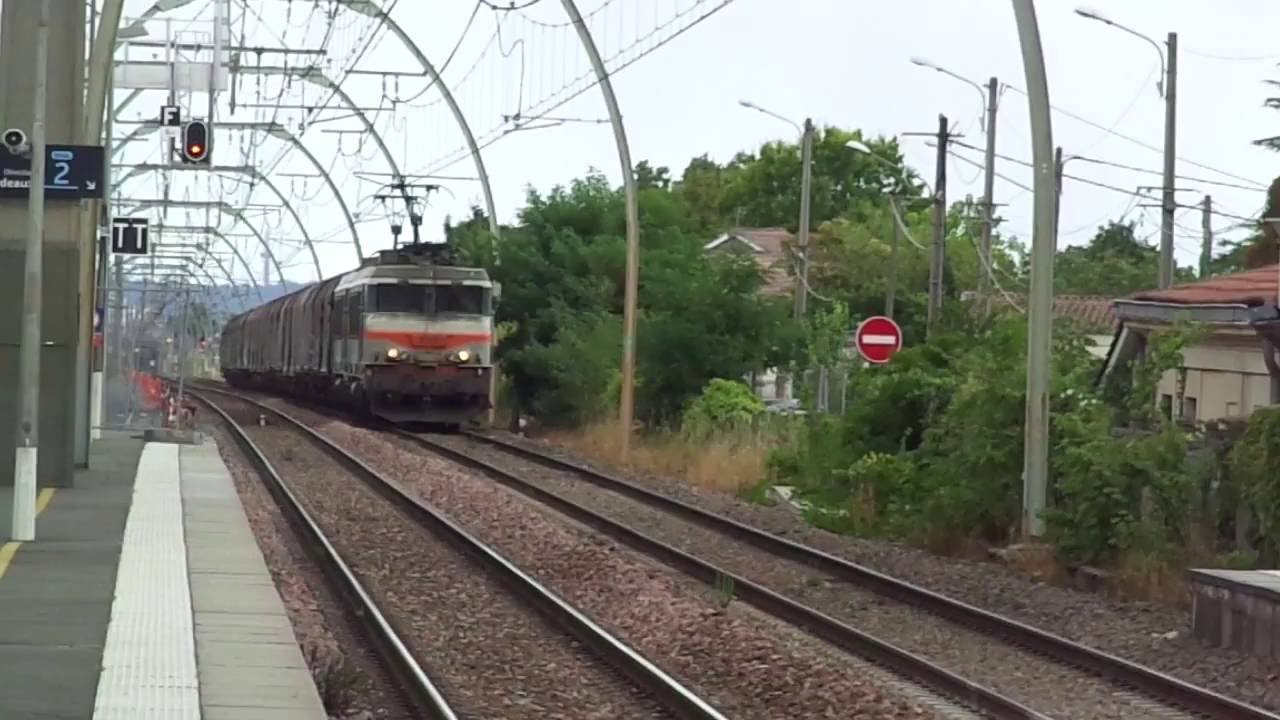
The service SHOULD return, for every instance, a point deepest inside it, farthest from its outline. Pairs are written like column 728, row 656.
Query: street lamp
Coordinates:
column 806, row 179
column 925, row 63
column 861, row 147
column 1168, row 88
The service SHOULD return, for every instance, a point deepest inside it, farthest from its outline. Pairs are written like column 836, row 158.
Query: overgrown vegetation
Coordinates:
column 928, row 448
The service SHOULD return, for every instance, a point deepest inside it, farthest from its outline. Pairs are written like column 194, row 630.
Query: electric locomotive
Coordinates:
column 408, row 337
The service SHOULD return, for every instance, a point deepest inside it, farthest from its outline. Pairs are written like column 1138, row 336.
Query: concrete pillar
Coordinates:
column 18, row 21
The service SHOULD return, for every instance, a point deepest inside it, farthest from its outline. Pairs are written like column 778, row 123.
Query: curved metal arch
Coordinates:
column 189, row 261
column 215, row 259
column 279, row 131
column 215, row 232
column 224, row 207
column 372, row 9
column 246, row 170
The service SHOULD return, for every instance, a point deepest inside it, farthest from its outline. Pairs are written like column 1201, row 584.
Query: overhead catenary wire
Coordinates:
column 1143, row 143
column 1106, row 186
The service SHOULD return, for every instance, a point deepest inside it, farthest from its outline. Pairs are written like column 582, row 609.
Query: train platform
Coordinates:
column 145, row 595
column 1238, row 609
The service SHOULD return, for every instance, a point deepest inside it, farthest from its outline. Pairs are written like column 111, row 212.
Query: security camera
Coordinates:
column 16, row 141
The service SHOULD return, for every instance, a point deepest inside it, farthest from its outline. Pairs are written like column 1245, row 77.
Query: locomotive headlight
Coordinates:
column 394, row 354
column 464, row 356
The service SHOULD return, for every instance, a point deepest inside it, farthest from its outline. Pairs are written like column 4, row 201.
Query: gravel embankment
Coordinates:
column 351, row 682
column 744, row 664
column 1033, row 680
column 1140, row 632
column 491, row 656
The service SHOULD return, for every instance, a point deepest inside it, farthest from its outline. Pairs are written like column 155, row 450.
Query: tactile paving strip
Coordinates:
column 148, row 663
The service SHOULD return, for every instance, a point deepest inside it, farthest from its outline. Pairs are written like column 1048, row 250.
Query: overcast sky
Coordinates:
column 841, row 62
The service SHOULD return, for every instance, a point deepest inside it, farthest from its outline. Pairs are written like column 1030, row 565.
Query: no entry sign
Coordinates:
column 878, row 338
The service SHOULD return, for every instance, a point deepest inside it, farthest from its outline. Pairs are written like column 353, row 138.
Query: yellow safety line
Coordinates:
column 11, row 548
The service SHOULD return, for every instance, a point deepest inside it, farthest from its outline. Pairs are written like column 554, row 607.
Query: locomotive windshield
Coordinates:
column 429, row 299
column 466, row 299
column 401, row 298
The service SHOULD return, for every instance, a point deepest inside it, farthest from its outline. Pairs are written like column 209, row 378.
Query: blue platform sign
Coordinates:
column 71, row 172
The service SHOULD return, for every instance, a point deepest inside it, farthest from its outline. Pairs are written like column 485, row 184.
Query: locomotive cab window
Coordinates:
column 401, row 298
column 462, row 299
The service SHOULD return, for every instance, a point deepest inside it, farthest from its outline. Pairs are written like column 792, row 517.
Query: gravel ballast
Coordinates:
column 746, row 665
column 1035, row 681
column 491, row 656
column 1147, row 633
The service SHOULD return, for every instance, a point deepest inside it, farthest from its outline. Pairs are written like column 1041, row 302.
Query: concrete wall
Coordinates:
column 18, row 21
column 1219, row 379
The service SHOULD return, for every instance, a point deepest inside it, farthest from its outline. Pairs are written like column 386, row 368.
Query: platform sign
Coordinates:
column 129, row 236
column 71, row 172
column 170, row 116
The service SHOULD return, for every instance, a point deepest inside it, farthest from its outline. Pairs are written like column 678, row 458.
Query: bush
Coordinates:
column 932, row 446
column 724, row 406
column 1253, row 472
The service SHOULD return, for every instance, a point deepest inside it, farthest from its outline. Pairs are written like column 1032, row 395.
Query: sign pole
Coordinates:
column 26, row 454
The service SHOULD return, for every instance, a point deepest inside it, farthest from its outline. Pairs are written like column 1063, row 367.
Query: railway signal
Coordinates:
column 195, row 142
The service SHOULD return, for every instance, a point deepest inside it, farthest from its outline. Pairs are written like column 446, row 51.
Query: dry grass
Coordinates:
column 1142, row 577
column 726, row 464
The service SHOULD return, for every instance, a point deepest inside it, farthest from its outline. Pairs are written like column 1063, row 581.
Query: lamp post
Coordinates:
column 1168, row 89
column 990, row 98
column 806, row 180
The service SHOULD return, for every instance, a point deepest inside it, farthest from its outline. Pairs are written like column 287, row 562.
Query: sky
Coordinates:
column 842, row 63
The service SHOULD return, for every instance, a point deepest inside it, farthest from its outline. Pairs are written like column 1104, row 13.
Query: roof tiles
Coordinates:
column 1251, row 287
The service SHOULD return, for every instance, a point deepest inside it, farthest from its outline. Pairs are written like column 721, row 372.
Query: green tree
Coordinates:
column 562, row 276
column 762, row 189
column 1115, row 263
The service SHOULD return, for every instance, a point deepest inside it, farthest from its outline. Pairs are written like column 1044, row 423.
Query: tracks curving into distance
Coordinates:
column 674, row 699
column 1144, row 691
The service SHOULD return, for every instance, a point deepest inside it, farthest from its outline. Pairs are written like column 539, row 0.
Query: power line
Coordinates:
column 1098, row 183
column 1143, row 143
column 1230, row 58
column 1122, row 166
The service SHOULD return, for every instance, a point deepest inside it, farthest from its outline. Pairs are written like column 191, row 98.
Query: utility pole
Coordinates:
column 1057, row 193
column 1035, row 477
column 988, row 201
column 892, row 281
column 26, row 456
column 1170, row 127
column 937, row 257
column 806, row 179
column 1206, row 249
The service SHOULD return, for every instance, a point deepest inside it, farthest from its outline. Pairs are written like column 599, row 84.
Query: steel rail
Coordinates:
column 676, row 698
column 414, row 682
column 908, row 665
column 1151, row 682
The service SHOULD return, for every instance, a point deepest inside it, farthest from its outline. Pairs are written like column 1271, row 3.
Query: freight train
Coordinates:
column 407, row 337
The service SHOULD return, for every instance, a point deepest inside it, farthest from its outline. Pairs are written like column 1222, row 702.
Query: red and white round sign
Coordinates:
column 878, row 338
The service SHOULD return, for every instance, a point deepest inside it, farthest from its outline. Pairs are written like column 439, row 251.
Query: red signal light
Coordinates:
column 195, row 141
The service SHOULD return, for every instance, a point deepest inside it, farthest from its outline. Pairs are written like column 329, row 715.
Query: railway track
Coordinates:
column 558, row 662
column 417, row 690
column 1042, row 660
column 619, row 508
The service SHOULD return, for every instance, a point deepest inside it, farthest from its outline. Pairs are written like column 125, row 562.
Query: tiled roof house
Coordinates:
column 769, row 247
